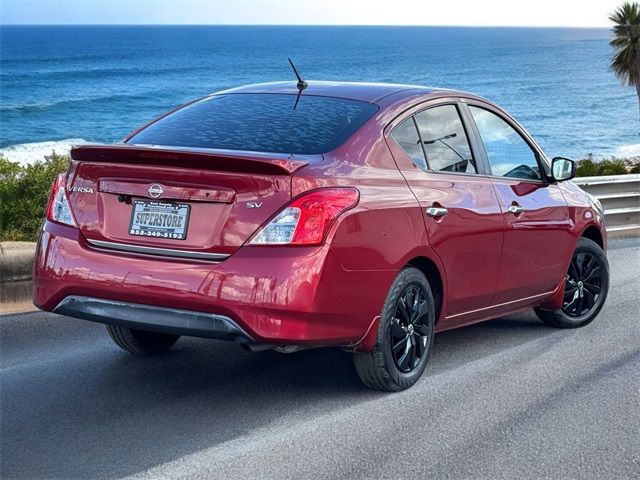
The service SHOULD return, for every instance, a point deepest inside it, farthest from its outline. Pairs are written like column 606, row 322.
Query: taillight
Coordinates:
column 58, row 209
column 306, row 220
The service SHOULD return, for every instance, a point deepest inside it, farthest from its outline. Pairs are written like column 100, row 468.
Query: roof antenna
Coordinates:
column 301, row 83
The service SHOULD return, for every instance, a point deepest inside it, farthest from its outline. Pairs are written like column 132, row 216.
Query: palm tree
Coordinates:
column 626, row 44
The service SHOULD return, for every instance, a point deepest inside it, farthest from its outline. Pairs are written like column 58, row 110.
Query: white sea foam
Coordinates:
column 28, row 153
column 628, row 151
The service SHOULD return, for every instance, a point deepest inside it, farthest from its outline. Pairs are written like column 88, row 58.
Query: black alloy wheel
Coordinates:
column 408, row 334
column 583, row 284
column 404, row 336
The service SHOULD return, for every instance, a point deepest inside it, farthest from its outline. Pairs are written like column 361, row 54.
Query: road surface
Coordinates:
column 509, row 398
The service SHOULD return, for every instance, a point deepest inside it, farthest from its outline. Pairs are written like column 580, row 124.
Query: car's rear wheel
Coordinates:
column 404, row 337
column 140, row 341
column 585, row 290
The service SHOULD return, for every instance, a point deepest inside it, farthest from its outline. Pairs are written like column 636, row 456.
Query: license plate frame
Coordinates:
column 176, row 230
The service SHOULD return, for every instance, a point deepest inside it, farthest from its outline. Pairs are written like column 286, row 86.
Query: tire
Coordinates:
column 381, row 369
column 579, row 292
column 141, row 342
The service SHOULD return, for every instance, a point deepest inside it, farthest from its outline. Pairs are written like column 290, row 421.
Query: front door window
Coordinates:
column 508, row 153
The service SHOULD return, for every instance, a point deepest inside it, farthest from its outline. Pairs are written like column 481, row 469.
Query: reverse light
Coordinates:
column 58, row 209
column 306, row 220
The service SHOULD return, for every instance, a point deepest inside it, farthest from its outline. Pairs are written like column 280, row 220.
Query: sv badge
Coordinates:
column 254, row 204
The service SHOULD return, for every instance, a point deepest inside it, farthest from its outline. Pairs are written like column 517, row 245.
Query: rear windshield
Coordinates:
column 260, row 123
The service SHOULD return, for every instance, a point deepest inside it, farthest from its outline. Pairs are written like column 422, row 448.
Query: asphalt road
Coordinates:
column 509, row 398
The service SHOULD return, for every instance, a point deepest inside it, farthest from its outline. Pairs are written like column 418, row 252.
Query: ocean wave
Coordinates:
column 70, row 102
column 26, row 106
column 626, row 151
column 96, row 73
column 28, row 153
column 60, row 58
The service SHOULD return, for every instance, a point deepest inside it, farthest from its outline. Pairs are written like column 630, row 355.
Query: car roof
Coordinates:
column 362, row 91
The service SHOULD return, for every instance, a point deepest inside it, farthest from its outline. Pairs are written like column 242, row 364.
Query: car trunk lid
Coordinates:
column 171, row 201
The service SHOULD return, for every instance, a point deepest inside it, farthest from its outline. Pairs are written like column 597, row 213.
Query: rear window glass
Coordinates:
column 260, row 123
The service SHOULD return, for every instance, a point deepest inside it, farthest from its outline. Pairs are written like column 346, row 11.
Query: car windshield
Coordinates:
column 276, row 123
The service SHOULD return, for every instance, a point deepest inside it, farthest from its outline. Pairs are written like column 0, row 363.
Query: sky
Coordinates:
column 569, row 13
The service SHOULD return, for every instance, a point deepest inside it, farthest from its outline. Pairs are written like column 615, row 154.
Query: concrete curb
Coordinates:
column 16, row 266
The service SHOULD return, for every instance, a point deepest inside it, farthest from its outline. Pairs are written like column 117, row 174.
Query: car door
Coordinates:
column 537, row 238
column 461, row 211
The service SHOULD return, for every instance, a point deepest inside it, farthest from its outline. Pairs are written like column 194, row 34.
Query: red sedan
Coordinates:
column 287, row 216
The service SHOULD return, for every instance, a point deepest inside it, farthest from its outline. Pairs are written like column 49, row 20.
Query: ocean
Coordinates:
column 71, row 84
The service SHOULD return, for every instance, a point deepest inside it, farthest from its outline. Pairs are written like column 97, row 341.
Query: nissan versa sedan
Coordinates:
column 289, row 216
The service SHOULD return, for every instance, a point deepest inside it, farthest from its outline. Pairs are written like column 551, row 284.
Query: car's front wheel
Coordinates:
column 404, row 337
column 585, row 290
column 141, row 341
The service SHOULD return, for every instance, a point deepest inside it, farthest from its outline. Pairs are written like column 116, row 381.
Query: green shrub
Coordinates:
column 586, row 168
column 609, row 166
column 24, row 191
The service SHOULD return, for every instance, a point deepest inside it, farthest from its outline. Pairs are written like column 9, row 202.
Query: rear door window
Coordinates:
column 276, row 123
column 406, row 136
column 445, row 140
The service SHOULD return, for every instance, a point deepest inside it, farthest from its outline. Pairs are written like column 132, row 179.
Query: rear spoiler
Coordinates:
column 209, row 159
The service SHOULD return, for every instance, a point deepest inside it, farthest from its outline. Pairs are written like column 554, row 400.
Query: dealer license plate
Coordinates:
column 159, row 219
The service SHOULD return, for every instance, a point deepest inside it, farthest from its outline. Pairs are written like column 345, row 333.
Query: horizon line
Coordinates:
column 292, row 25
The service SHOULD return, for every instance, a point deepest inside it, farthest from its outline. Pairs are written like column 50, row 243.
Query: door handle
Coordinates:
column 436, row 211
column 515, row 209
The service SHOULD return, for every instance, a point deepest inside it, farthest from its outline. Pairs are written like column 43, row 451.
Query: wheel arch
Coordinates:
column 592, row 232
column 437, row 281
column 432, row 272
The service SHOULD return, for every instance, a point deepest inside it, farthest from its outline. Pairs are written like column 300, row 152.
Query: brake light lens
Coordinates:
column 58, row 209
column 306, row 220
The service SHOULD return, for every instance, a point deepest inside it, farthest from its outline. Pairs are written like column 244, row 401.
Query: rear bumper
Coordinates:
column 158, row 319
column 269, row 295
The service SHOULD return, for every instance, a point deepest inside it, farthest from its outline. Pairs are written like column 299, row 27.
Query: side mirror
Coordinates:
column 563, row 169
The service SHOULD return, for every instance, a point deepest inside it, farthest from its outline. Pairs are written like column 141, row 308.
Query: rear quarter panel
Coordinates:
column 384, row 231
